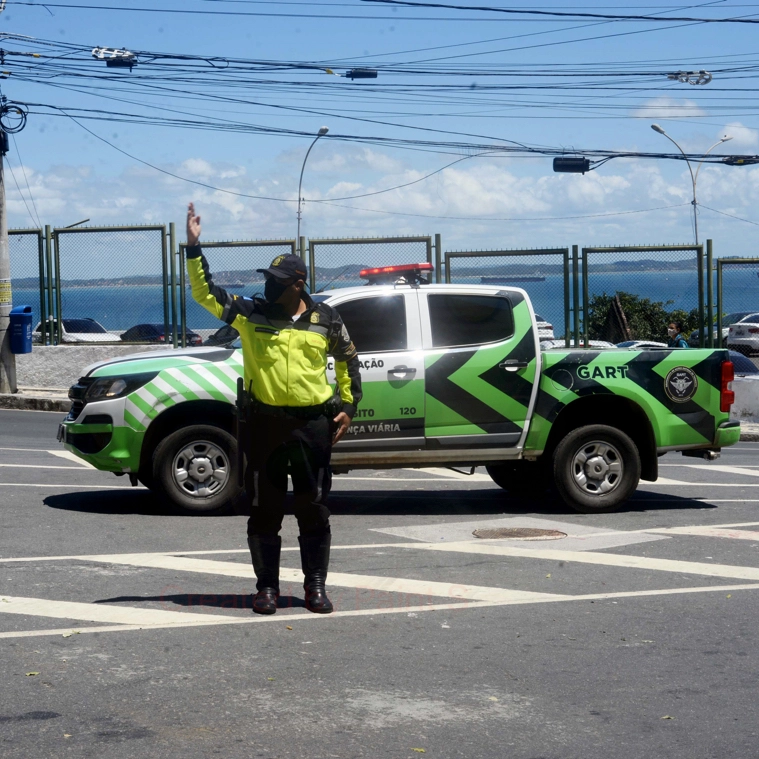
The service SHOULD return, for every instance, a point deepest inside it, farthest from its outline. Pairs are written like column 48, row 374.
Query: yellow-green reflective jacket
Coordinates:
column 285, row 361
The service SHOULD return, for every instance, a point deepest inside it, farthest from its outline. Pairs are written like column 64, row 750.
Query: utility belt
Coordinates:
column 329, row 408
column 247, row 406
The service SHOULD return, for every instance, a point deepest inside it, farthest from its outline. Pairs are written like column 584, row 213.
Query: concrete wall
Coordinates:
column 746, row 406
column 59, row 367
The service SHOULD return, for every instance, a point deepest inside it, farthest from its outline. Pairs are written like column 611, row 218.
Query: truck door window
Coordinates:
column 458, row 320
column 376, row 324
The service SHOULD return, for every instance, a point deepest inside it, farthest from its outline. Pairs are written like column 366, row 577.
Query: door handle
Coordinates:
column 512, row 365
column 400, row 370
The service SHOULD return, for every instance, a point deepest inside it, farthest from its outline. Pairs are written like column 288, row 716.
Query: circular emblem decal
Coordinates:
column 681, row 384
column 277, row 261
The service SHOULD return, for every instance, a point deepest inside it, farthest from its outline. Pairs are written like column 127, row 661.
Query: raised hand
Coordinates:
column 193, row 225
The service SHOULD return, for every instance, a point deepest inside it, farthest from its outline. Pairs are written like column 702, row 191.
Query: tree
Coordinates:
column 646, row 319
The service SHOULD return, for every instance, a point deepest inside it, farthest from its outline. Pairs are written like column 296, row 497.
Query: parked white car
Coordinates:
column 728, row 319
column 641, row 345
column 744, row 337
column 79, row 331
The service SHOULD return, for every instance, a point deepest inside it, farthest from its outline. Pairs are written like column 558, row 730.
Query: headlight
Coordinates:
column 116, row 387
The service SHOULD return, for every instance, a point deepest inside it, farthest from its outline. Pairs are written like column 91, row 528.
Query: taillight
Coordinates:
column 726, row 394
column 753, row 330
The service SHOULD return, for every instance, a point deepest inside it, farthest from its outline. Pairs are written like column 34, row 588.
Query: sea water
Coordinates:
column 119, row 307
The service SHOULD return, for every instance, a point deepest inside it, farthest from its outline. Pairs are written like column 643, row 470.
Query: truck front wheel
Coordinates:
column 596, row 468
column 196, row 469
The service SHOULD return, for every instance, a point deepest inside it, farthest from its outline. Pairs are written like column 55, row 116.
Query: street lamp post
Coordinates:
column 322, row 132
column 693, row 177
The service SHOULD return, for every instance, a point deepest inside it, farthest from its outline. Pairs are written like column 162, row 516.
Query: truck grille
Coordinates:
column 77, row 394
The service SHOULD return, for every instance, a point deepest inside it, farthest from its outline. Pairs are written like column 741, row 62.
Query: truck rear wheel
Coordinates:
column 196, row 469
column 596, row 468
column 520, row 478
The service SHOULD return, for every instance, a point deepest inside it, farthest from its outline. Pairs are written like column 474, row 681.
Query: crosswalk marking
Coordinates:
column 182, row 619
column 338, row 579
column 43, row 607
column 726, row 469
column 708, row 532
column 606, row 559
column 64, row 454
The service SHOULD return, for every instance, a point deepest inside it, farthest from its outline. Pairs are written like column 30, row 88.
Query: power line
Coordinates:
column 563, row 14
column 509, row 218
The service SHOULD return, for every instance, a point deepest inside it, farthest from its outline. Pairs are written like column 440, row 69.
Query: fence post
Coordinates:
column 701, row 320
column 438, row 259
column 566, row 298
column 719, row 304
column 311, row 262
column 47, row 329
column 165, row 284
column 43, row 309
column 710, row 295
column 576, row 294
column 173, row 275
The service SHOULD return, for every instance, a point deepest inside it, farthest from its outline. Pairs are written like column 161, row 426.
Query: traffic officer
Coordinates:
column 296, row 415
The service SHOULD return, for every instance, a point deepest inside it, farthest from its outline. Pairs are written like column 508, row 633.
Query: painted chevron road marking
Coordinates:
column 338, row 579
column 182, row 619
column 599, row 558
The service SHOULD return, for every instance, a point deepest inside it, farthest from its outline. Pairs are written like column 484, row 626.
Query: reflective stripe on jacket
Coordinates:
column 284, row 361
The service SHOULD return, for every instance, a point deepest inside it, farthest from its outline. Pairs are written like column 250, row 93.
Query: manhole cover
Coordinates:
column 518, row 533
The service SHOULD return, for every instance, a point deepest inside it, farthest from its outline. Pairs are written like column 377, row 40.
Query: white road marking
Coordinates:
column 45, row 466
column 63, row 454
column 604, row 559
column 339, row 579
column 682, row 483
column 182, row 619
column 726, row 469
column 450, row 474
column 70, row 487
column 708, row 532
column 128, row 615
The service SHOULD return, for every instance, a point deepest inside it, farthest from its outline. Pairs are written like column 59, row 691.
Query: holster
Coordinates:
column 242, row 418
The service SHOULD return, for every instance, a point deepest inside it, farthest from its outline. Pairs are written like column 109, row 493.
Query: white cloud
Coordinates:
column 668, row 108
column 743, row 138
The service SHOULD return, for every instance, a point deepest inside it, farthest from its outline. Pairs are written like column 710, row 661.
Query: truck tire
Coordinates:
column 596, row 468
column 196, row 469
column 520, row 478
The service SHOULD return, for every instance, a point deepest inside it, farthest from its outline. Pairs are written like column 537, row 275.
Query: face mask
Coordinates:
column 672, row 332
column 273, row 290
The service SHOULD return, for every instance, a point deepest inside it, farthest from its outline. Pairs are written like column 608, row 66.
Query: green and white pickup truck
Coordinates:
column 453, row 376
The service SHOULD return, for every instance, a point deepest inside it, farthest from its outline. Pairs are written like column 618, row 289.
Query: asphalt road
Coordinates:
column 125, row 631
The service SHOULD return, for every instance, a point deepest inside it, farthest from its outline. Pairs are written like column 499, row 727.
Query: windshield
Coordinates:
column 733, row 318
column 320, row 297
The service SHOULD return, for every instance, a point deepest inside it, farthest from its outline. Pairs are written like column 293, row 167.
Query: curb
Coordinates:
column 22, row 402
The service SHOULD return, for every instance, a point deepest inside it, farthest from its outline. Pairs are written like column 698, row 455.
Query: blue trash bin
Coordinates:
column 21, row 329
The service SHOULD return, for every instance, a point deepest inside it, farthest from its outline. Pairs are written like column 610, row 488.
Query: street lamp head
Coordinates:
column 657, row 128
column 323, row 131
column 726, row 138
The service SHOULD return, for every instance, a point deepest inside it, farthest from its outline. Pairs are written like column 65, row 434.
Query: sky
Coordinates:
column 226, row 96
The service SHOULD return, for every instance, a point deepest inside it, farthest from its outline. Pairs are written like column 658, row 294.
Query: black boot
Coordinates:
column 264, row 552
column 314, row 559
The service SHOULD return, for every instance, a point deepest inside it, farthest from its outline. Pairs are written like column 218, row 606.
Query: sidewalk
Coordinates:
column 55, row 399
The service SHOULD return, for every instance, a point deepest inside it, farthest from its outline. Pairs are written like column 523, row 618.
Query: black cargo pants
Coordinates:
column 301, row 446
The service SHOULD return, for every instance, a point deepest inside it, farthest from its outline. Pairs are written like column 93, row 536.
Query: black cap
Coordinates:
column 289, row 266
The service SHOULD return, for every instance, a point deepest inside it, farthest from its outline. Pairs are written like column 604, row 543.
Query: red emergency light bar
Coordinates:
column 387, row 270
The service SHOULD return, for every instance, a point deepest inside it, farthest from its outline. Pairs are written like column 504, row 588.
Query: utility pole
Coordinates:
column 7, row 359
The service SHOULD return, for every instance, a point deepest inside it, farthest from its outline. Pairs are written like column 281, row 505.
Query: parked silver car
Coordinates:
column 734, row 318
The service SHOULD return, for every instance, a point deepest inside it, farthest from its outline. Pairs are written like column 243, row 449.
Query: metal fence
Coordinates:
column 233, row 265
column 26, row 248
column 337, row 262
column 97, row 296
column 543, row 272
column 123, row 276
column 672, row 275
column 737, row 288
